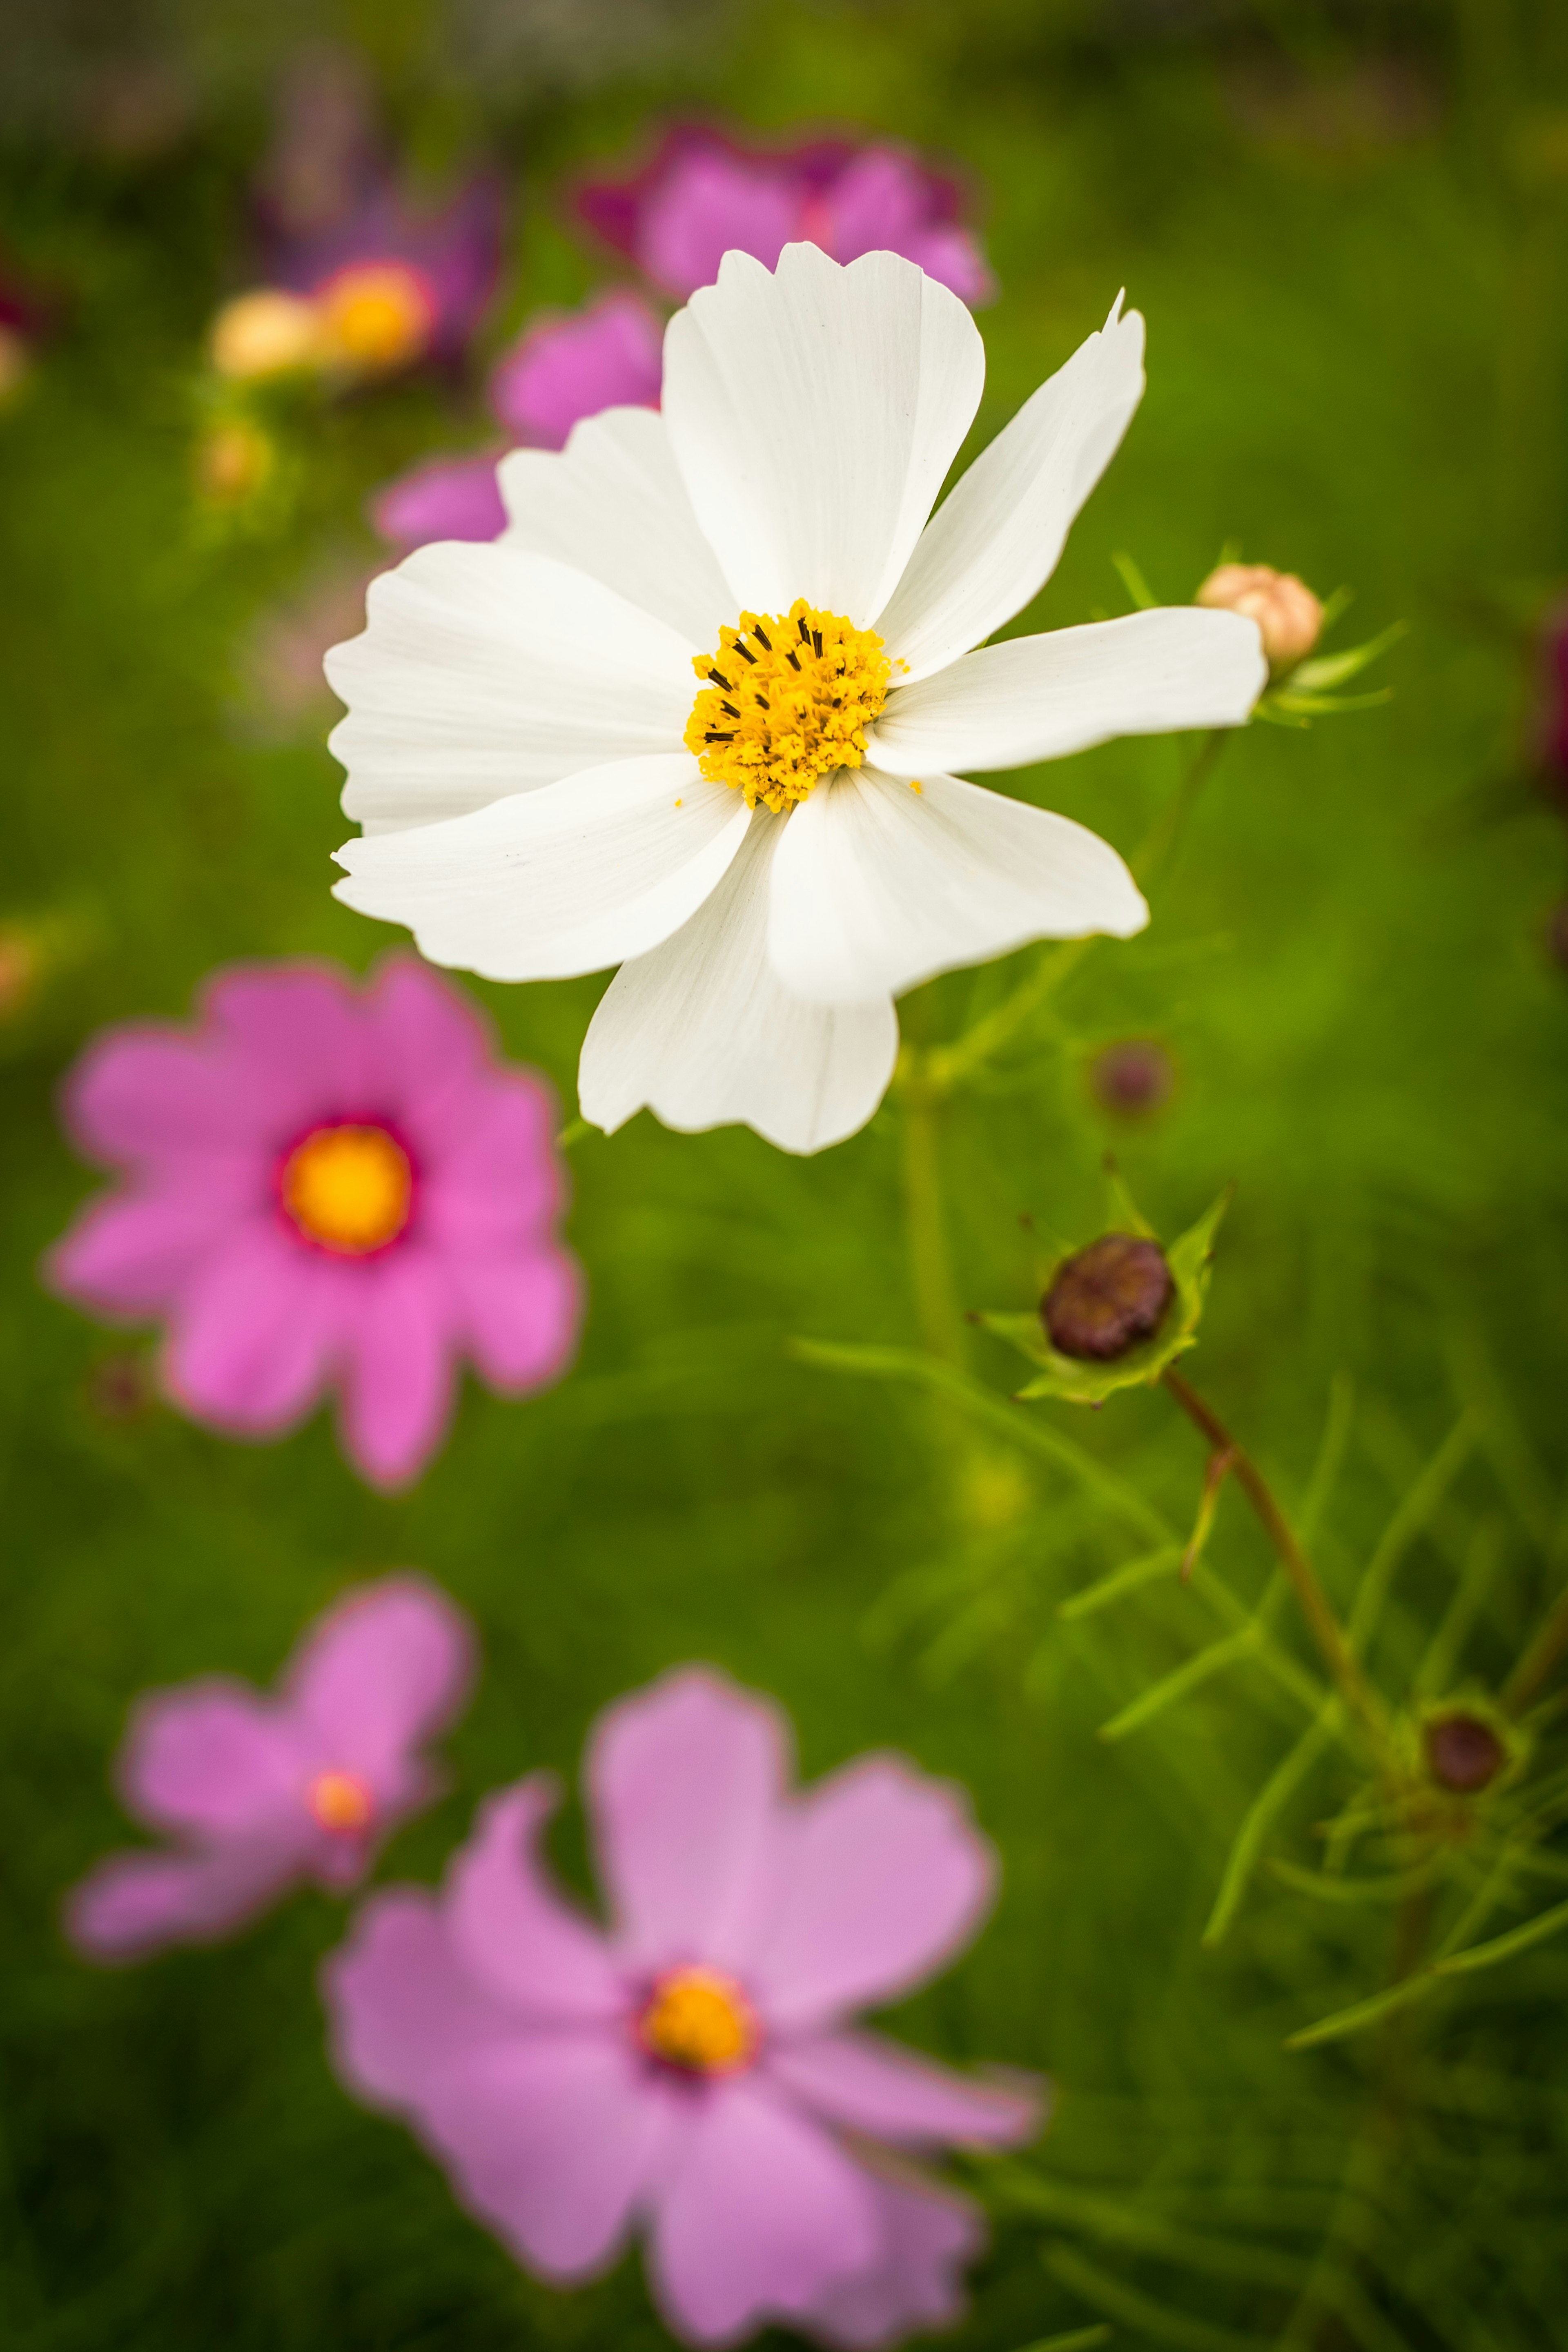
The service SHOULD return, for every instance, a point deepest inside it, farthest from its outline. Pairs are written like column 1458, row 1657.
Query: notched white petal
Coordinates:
column 485, row 670
column 876, row 887
column 560, row 881
column 702, row 1032
column 1039, row 698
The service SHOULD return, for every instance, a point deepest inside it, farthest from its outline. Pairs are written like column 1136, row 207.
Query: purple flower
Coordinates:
column 702, row 195
column 694, row 2067
column 325, row 1188
column 394, row 282
column 259, row 1793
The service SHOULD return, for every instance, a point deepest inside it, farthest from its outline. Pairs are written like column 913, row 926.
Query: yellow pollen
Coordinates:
column 340, row 1800
column 376, row 315
column 786, row 700
column 348, row 1188
column 700, row 2021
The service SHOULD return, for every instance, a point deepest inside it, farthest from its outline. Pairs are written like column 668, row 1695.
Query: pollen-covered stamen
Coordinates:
column 700, row 2021
column 799, row 710
column 348, row 1188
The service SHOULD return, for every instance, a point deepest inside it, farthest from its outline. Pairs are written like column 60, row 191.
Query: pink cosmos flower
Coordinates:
column 693, row 2067
column 397, row 280
column 702, row 195
column 260, row 1793
column 325, row 1188
column 446, row 498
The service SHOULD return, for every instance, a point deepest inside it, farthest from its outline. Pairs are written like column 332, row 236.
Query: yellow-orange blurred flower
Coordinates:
column 1285, row 609
column 375, row 316
column 267, row 332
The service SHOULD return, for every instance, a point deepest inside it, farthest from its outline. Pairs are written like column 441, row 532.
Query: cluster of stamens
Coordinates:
column 787, row 700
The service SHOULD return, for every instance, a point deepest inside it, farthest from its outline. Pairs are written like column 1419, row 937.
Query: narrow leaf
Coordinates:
column 1135, row 2310
column 1129, row 1577
column 1503, row 1947
column 1275, row 1794
column 1188, row 1677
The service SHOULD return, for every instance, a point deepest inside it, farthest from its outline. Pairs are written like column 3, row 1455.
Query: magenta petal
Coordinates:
column 492, row 1177
column 390, row 1665
column 130, row 1255
column 609, row 355
column 447, row 497
column 303, row 1047
column 764, row 2213
column 520, row 1316
column 213, row 1759
column 954, row 257
column 685, row 1781
column 400, row 1377
column 866, row 2084
column 256, row 1333
column 927, row 2237
column 132, row 1905
column 512, row 1931
column 884, row 1876
column 142, row 1093
column 875, row 203
column 404, row 2011
column 709, row 204
column 428, row 1045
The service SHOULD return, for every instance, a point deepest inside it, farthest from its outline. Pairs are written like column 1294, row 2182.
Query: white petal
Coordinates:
column 1038, row 697
column 485, row 671
column 563, row 880
column 813, row 413
column 613, row 504
column 703, row 1033
column 876, row 887
column 995, row 538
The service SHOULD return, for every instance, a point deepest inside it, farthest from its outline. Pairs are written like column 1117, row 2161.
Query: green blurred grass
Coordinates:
column 1347, row 962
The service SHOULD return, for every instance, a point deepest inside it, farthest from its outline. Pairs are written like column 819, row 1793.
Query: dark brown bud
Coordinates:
column 1464, row 1753
column 1132, row 1078
column 1107, row 1297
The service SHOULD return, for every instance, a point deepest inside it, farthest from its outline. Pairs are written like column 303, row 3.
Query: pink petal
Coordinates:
column 255, row 1334
column 491, row 1177
column 764, row 2213
column 297, row 1040
column 512, row 1931
column 685, row 1781
column 392, row 1664
column 129, row 1254
column 883, row 1878
column 132, row 1905
column 400, row 1377
column 709, row 203
column 520, row 1316
column 214, row 1758
column 607, row 355
column 429, row 1047
column 403, row 2012
column 448, row 497
column 867, row 2084
column 144, row 1094
column 954, row 257
column 875, row 203
column 928, row 2236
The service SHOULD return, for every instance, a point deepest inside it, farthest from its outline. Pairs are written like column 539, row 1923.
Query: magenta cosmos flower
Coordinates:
column 326, row 1187
column 693, row 2067
column 702, row 195
column 391, row 282
column 259, row 1793
column 609, row 355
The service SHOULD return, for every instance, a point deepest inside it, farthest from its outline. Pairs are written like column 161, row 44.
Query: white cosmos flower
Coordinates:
column 519, row 712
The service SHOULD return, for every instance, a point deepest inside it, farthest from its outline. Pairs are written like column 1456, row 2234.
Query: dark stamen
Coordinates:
column 730, row 709
column 793, row 659
column 746, row 650
column 719, row 679
column 712, row 736
column 804, row 632
column 816, row 641
column 761, row 638
column 762, row 702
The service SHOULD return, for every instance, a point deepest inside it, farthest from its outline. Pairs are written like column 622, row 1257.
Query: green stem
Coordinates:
column 1539, row 1659
column 1316, row 1608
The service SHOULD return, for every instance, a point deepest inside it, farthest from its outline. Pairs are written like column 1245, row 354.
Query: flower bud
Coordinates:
column 1132, row 1078
column 1464, row 1753
column 1107, row 1297
column 233, row 461
column 1285, row 609
column 268, row 333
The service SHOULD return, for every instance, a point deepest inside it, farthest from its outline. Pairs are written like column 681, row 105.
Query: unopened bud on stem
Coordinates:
column 1107, row 1297
column 1464, row 1753
column 1285, row 609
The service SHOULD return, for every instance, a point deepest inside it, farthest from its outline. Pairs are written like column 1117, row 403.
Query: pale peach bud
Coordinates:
column 1285, row 609
column 268, row 333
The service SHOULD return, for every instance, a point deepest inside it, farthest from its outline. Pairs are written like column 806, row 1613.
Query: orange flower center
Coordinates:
column 376, row 315
column 348, row 1188
column 700, row 2021
column 340, row 1800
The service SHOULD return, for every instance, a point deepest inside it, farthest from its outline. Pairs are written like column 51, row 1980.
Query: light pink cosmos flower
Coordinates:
column 260, row 1793
column 693, row 2068
column 702, row 195
column 326, row 1187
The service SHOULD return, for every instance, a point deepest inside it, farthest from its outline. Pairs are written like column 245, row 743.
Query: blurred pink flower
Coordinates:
column 398, row 280
column 701, row 194
column 694, row 2066
column 325, row 1188
column 446, row 498
column 259, row 1793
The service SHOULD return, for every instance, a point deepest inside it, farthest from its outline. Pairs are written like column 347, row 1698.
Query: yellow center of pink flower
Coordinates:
column 340, row 1800
column 787, row 700
column 376, row 315
column 701, row 2020
column 348, row 1188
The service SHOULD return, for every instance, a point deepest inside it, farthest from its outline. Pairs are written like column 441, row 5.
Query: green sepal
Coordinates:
column 1081, row 1380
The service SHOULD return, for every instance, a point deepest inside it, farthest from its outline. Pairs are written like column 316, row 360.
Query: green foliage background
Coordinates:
column 1346, row 233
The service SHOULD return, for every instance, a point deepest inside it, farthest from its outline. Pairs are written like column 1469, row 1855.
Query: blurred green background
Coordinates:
column 1346, row 229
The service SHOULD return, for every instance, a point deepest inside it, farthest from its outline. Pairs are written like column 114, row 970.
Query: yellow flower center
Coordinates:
column 376, row 314
column 348, row 1188
column 340, row 1800
column 701, row 2021
column 787, row 700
